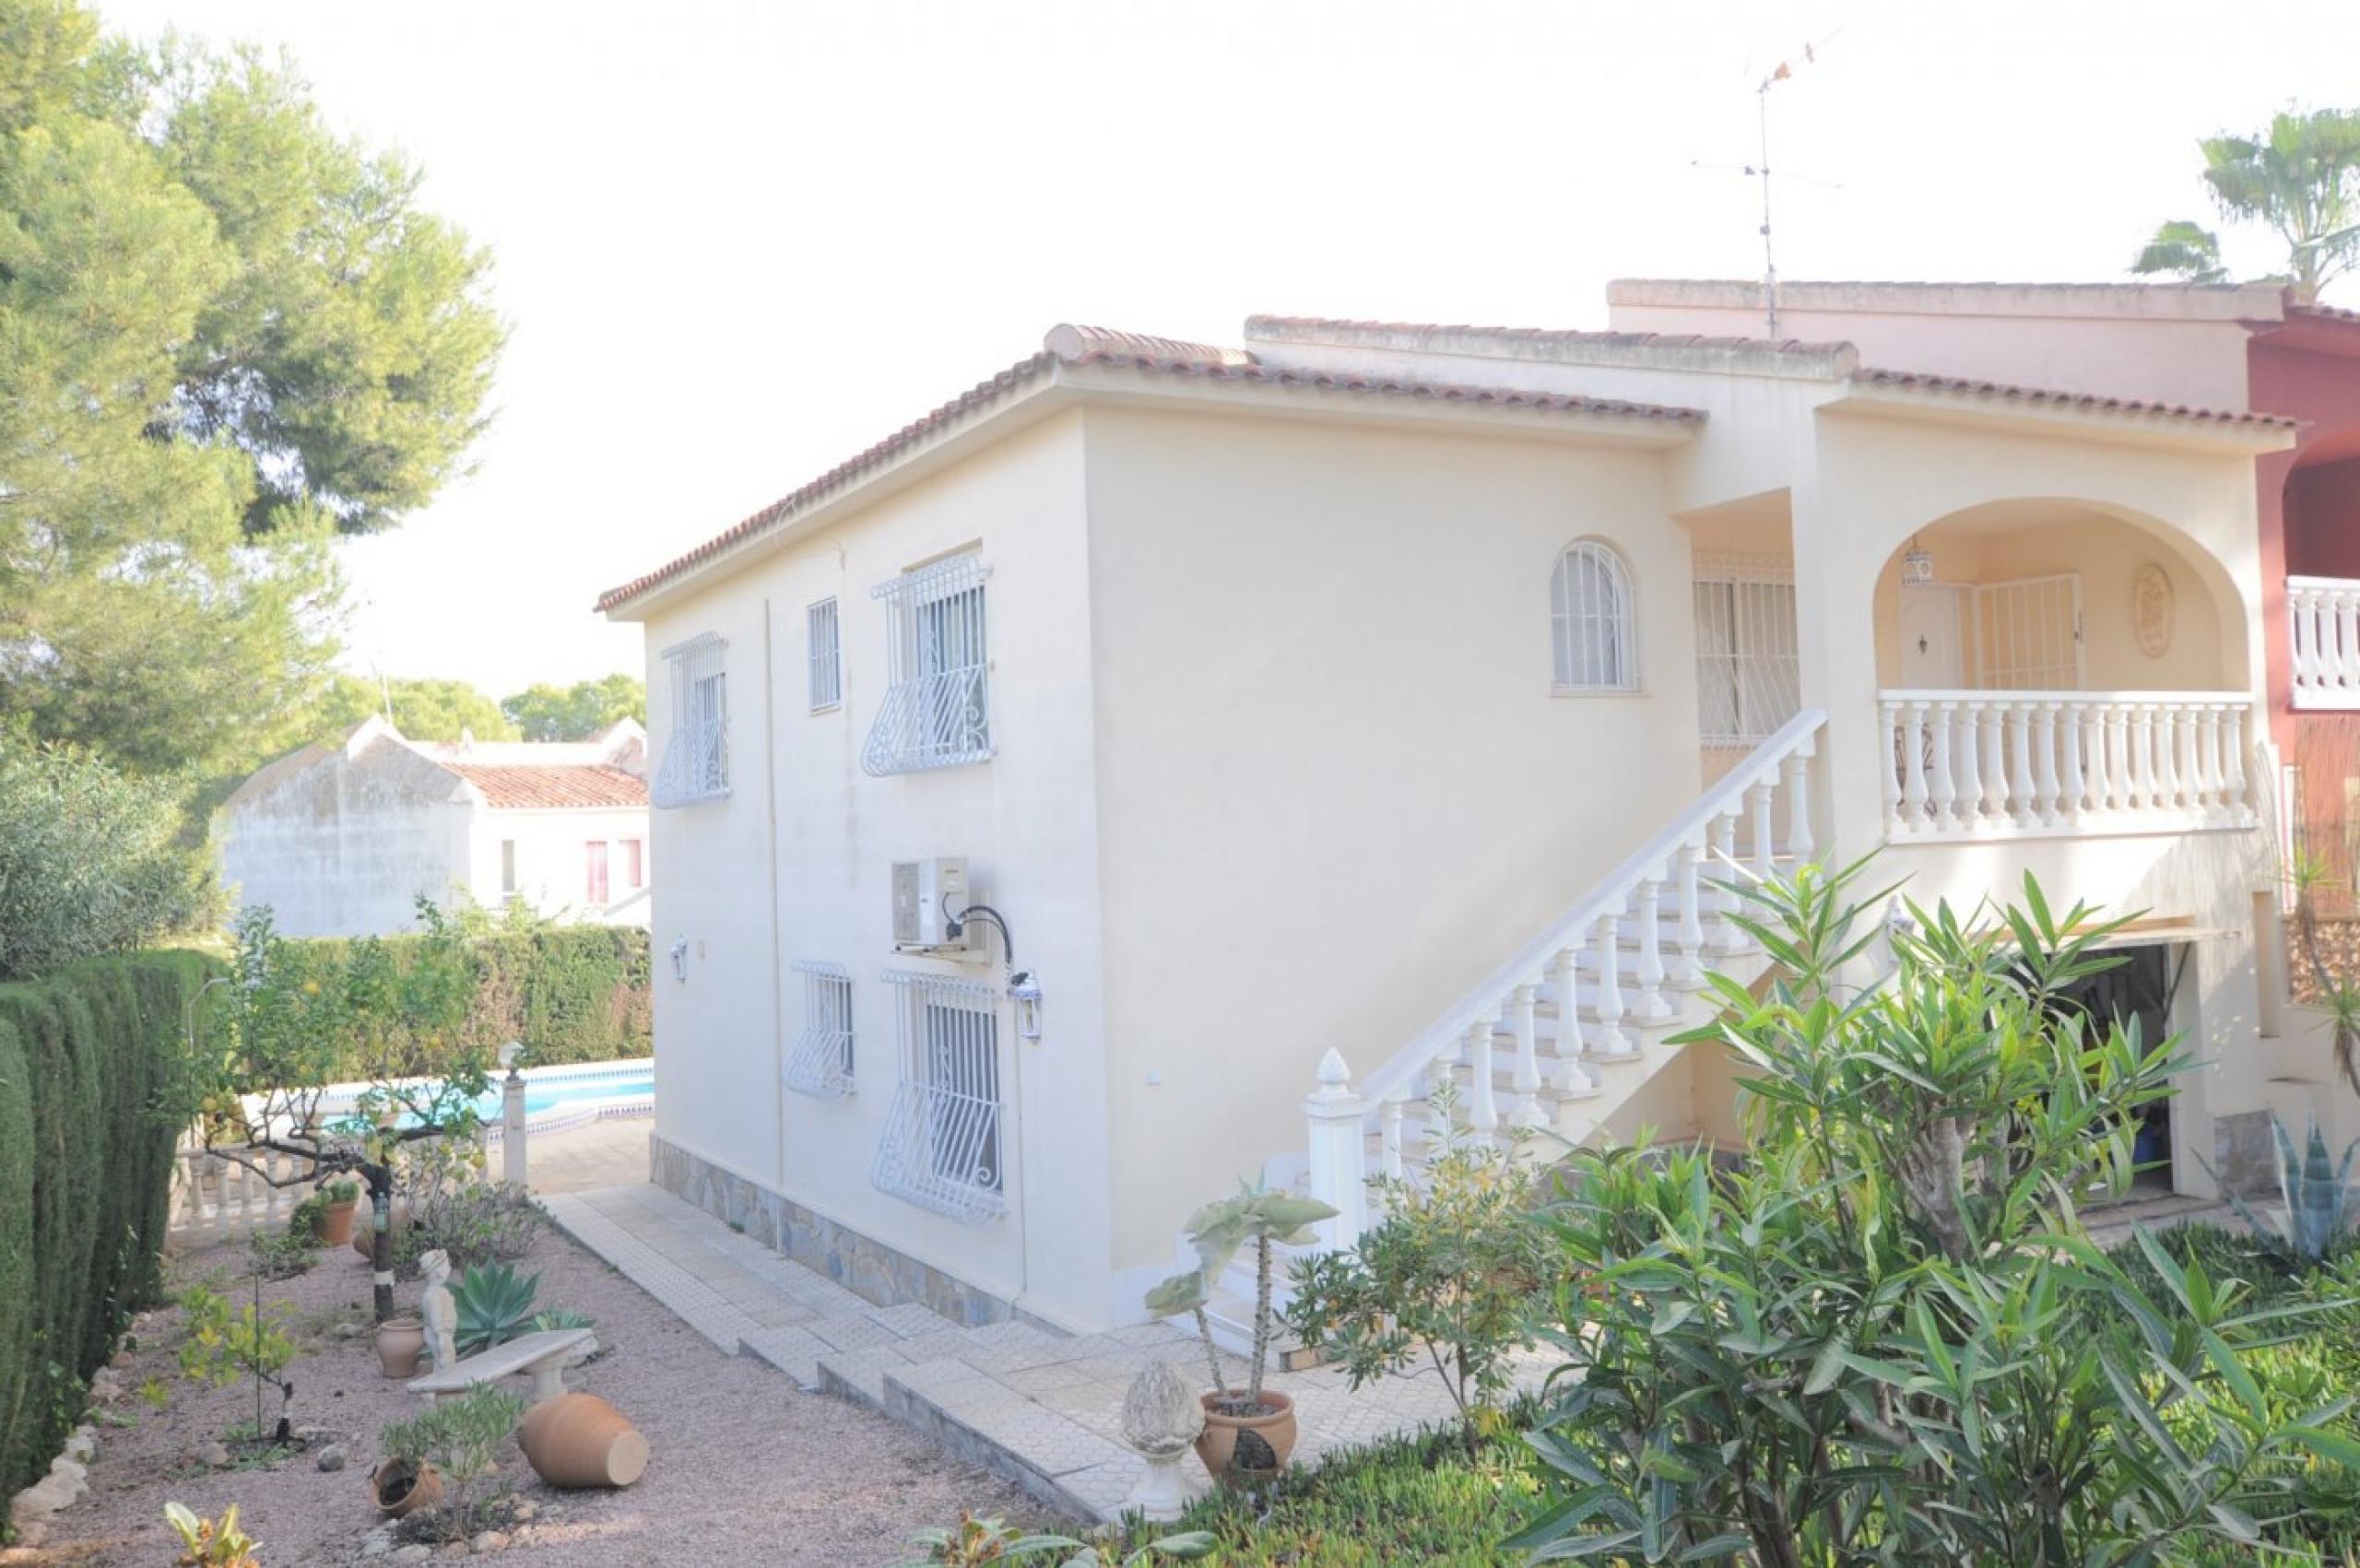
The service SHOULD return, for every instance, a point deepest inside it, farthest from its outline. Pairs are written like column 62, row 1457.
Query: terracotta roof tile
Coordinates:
column 545, row 786
column 1923, row 381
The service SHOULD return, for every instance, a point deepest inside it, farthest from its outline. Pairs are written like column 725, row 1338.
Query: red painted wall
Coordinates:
column 2309, row 498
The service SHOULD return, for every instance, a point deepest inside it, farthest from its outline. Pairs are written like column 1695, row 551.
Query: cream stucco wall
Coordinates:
column 1024, row 821
column 1334, row 785
column 346, row 844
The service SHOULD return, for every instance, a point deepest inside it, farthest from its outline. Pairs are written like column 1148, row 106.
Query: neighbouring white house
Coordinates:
column 342, row 840
column 1368, row 704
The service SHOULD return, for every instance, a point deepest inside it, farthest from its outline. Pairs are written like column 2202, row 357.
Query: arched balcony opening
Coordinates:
column 2059, row 666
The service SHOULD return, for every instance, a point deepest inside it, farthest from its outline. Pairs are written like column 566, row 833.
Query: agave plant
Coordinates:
column 494, row 1306
column 1262, row 1217
column 2316, row 1190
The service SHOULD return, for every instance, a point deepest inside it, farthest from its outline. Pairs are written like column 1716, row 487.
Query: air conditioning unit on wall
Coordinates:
column 926, row 893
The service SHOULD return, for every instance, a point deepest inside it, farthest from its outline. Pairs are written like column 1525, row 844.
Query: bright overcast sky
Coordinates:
column 738, row 242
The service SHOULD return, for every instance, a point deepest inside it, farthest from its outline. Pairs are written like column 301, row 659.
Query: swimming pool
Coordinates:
column 555, row 1097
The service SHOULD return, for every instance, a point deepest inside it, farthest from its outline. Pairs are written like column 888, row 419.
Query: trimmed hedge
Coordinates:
column 90, row 1065
column 569, row 993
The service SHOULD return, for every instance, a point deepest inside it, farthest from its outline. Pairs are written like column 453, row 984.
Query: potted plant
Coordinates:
column 404, row 1481
column 341, row 1199
column 1248, row 1431
column 400, row 1342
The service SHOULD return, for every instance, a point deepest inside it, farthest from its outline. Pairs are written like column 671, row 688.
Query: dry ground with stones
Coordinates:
column 746, row 1469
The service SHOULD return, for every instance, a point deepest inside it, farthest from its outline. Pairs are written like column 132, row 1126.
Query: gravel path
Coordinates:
column 746, row 1471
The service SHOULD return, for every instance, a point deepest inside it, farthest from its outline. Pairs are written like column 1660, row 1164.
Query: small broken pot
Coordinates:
column 335, row 1222
column 400, row 1489
column 400, row 1342
column 580, row 1440
column 1247, row 1445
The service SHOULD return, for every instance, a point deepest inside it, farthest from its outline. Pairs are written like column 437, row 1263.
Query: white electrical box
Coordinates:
column 926, row 893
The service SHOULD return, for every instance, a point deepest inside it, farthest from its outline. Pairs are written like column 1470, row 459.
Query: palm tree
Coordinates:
column 2302, row 178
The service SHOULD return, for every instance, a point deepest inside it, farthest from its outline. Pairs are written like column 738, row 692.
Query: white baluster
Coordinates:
column 1944, row 784
column 1798, row 785
column 2094, row 754
column 1483, row 1109
column 2233, row 747
column 2343, row 661
column 1652, row 1007
column 1610, row 1039
column 1968, row 765
column 2044, row 763
column 1994, row 758
column 1726, row 937
column 1913, row 767
column 1527, row 1080
column 1389, row 1131
column 2191, row 778
column 2167, row 758
column 2208, row 758
column 2121, row 765
column 2024, row 806
column 1893, row 754
column 1564, row 978
column 2072, row 787
column 1338, row 1151
column 2142, row 757
column 1691, row 970
column 1765, row 847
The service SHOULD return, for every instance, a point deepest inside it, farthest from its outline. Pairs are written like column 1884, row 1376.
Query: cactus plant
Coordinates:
column 494, row 1306
column 2314, row 1189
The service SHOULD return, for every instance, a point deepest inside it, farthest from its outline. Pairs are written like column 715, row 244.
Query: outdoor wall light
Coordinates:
column 1024, row 990
column 681, row 960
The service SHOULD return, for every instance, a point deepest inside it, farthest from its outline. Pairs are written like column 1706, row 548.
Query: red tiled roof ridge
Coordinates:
column 1932, row 381
column 551, row 785
column 1603, row 337
column 2181, row 286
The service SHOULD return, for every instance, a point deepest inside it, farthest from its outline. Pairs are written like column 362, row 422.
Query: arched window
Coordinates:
column 1590, row 611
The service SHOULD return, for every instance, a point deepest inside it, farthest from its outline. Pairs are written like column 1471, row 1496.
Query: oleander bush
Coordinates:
column 92, row 1088
column 90, row 862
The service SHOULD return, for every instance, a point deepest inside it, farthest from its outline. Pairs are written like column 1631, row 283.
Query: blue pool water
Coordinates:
column 551, row 1095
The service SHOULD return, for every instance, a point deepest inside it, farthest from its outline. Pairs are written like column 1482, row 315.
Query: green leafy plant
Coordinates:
column 211, row 1543
column 284, row 1256
column 1452, row 1276
column 975, row 1541
column 494, row 1305
column 220, row 1346
column 2315, row 1191
column 1870, row 1343
column 461, row 1437
column 2308, row 876
column 473, row 1220
column 559, row 1317
column 1253, row 1216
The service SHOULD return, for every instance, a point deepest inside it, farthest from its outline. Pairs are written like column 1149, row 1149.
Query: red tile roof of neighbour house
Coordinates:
column 1109, row 348
column 552, row 786
column 1923, row 381
column 1547, row 337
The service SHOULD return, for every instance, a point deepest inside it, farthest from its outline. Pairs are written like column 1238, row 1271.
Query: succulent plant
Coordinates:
column 494, row 1306
column 2316, row 1190
column 1261, row 1216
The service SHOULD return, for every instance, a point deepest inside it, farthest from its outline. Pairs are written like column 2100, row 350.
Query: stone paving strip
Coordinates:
column 1041, row 1408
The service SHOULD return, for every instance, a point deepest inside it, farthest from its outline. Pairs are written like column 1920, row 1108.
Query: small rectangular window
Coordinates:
column 696, row 757
column 595, row 883
column 827, row 657
column 508, row 866
column 634, row 864
column 820, row 1063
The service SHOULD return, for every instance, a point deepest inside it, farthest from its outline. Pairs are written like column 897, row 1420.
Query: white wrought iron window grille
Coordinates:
column 2028, row 633
column 1591, row 618
column 1749, row 668
column 821, row 1064
column 940, row 1149
column 826, row 657
column 695, row 764
column 937, row 710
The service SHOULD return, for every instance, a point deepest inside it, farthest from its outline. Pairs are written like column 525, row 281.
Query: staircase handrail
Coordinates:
column 1613, row 892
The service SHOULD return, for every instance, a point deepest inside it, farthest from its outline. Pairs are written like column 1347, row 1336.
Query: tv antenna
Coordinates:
column 1760, row 170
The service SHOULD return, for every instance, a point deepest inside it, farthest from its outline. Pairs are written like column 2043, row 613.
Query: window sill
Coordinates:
column 1598, row 691
column 835, row 707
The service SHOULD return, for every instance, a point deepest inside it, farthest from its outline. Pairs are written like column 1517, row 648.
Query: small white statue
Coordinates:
column 1161, row 1416
column 442, row 1315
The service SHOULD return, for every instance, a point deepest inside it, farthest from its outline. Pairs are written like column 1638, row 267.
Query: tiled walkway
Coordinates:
column 1041, row 1408
column 604, row 1154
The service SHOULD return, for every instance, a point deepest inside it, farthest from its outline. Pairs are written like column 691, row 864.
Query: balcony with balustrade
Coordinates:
column 2323, row 639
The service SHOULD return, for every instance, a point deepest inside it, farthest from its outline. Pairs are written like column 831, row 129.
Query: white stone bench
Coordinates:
column 542, row 1355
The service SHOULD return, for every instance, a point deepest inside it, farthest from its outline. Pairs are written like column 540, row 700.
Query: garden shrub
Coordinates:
column 567, row 993
column 89, row 861
column 91, row 1075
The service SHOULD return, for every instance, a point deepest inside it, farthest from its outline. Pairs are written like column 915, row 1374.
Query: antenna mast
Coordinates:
column 1769, row 260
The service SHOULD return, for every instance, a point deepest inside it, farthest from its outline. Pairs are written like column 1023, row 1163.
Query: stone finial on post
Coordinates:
column 1339, row 1154
column 512, row 1117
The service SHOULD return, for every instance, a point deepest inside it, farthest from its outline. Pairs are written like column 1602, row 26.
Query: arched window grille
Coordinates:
column 1591, row 615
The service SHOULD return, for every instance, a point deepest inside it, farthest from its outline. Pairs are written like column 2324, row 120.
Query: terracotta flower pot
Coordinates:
column 400, row 1341
column 335, row 1222
column 1217, row 1445
column 412, row 1488
column 581, row 1440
